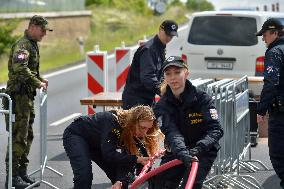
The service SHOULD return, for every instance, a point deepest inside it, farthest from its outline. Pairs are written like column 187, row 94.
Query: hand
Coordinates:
column 143, row 160
column 117, row 185
column 195, row 151
column 260, row 119
column 46, row 82
column 186, row 159
column 43, row 85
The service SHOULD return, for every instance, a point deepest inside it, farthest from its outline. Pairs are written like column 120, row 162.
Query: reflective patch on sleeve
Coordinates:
column 213, row 114
column 269, row 69
column 20, row 57
column 160, row 121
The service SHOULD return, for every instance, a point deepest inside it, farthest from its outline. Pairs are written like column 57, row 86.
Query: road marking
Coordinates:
column 65, row 119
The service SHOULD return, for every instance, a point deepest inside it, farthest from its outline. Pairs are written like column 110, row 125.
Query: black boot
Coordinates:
column 17, row 182
column 27, row 178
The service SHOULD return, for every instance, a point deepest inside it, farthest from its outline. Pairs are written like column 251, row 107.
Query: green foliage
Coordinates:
column 6, row 35
column 199, row 5
column 176, row 3
column 139, row 6
column 97, row 2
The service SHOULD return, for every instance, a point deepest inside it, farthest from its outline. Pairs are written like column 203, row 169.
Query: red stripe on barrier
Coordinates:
column 91, row 110
column 94, row 86
column 119, row 54
column 121, row 79
column 98, row 59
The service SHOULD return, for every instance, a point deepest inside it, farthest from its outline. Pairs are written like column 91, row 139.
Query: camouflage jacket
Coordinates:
column 23, row 66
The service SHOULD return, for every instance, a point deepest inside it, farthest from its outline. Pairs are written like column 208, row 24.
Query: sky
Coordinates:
column 247, row 3
column 219, row 4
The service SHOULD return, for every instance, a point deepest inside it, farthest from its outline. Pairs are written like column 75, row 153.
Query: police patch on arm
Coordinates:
column 20, row 56
column 213, row 114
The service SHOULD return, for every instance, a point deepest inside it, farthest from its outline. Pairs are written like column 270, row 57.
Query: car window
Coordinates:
column 223, row 30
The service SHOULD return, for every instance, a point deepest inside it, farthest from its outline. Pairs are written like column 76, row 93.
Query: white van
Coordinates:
column 222, row 44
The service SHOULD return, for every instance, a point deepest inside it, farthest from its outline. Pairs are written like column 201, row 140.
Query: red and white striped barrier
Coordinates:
column 97, row 68
column 123, row 58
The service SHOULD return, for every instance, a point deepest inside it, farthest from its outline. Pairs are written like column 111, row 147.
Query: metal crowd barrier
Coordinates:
column 11, row 119
column 231, row 99
column 43, row 143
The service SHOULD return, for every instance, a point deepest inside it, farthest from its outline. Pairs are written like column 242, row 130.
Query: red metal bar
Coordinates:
column 142, row 178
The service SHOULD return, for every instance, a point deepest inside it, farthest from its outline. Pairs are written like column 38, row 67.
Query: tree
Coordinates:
column 6, row 35
column 199, row 5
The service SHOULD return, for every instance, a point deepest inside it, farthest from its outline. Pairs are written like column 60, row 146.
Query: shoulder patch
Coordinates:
column 213, row 114
column 20, row 57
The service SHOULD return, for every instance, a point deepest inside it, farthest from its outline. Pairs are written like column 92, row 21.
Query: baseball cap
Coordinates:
column 170, row 27
column 174, row 61
column 271, row 23
column 40, row 21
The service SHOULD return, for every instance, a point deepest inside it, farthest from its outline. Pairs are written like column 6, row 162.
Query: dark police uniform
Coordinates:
column 97, row 138
column 144, row 76
column 191, row 128
column 272, row 100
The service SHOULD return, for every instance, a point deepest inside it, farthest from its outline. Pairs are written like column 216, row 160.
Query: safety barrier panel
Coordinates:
column 11, row 119
column 97, row 68
column 43, row 143
column 123, row 58
column 231, row 99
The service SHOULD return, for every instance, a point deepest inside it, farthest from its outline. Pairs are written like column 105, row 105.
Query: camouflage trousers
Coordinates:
column 22, row 133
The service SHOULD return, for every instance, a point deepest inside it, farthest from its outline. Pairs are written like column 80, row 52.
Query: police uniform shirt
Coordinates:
column 189, row 121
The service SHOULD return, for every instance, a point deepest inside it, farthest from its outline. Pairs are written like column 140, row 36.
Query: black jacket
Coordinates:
column 102, row 133
column 273, row 86
column 145, row 74
column 189, row 122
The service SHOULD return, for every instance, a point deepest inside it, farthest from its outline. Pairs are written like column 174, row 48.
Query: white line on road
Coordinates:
column 65, row 119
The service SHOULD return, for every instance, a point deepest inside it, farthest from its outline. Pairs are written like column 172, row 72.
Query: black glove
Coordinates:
column 186, row 159
column 195, row 151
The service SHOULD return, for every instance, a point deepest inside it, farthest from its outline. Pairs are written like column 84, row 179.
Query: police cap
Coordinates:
column 170, row 27
column 174, row 61
column 270, row 24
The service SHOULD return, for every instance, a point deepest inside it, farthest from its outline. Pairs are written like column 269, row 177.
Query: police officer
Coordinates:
column 272, row 94
column 24, row 79
column 117, row 141
column 144, row 76
column 190, row 123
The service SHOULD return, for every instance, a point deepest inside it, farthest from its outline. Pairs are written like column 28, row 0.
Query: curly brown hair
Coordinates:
column 129, row 119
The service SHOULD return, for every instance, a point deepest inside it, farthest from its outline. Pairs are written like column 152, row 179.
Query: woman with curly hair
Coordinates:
column 120, row 142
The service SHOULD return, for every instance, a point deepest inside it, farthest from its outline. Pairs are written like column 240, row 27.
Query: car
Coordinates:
column 222, row 44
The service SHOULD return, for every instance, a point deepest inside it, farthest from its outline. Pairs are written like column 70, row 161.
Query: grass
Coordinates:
column 109, row 27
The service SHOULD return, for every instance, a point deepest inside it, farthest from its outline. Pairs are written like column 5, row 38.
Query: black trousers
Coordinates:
column 81, row 157
column 276, row 142
column 171, row 178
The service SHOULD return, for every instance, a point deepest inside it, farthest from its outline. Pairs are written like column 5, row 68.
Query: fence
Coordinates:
column 232, row 102
column 43, row 143
column 10, row 120
column 9, row 6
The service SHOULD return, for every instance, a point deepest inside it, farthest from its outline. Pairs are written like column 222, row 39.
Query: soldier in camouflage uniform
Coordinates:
column 24, row 79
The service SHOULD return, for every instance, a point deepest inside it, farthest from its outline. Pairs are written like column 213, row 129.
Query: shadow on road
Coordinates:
column 270, row 181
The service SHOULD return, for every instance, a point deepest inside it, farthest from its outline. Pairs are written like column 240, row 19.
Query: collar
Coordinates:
column 188, row 96
column 278, row 41
column 158, row 43
column 29, row 37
